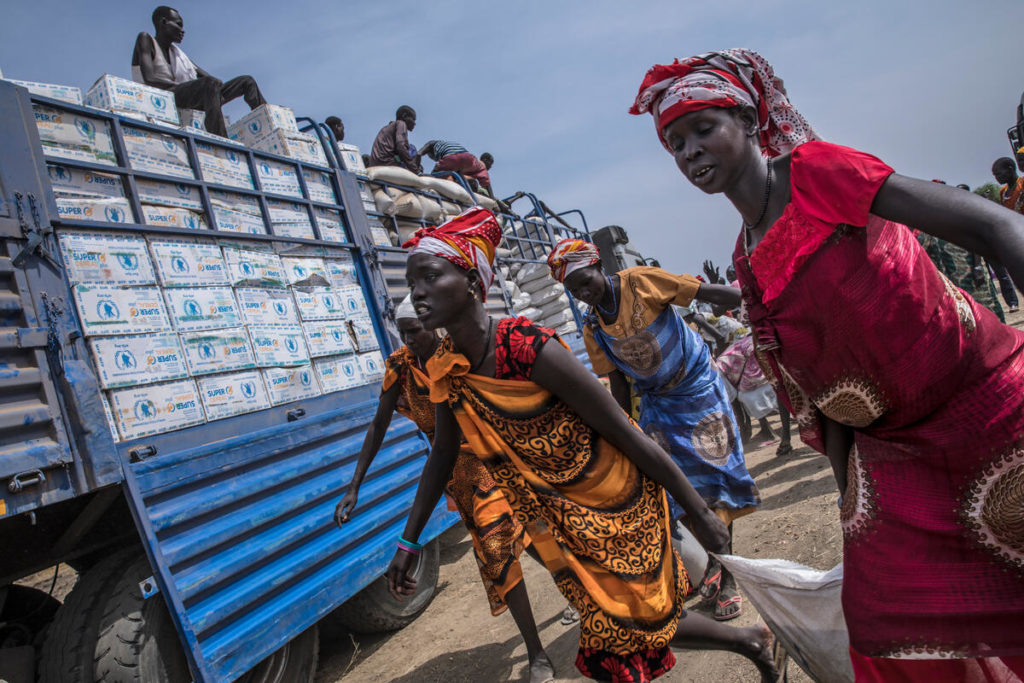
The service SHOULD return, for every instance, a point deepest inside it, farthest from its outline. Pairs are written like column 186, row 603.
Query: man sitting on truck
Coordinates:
column 159, row 62
column 391, row 146
column 337, row 127
column 451, row 156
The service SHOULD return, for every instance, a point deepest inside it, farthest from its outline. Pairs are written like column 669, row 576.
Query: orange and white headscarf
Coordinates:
column 728, row 78
column 469, row 241
column 570, row 255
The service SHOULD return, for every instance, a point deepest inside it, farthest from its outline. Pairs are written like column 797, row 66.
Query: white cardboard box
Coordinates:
column 156, row 408
column 73, row 136
column 99, row 209
column 318, row 303
column 261, row 121
column 278, row 345
column 353, row 301
column 190, row 119
column 266, row 306
column 217, row 351
column 237, row 213
column 233, row 394
column 329, row 221
column 202, row 308
column 305, row 148
column 173, row 217
column 362, row 329
column 318, row 185
column 64, row 93
column 327, row 337
column 290, row 384
column 99, row 258
column 105, row 309
column 120, row 94
column 111, row 422
column 305, row 270
column 338, row 372
column 372, row 365
column 70, row 181
column 223, row 165
column 351, row 159
column 278, row 177
column 341, row 271
column 137, row 359
column 247, row 266
column 188, row 263
column 156, row 152
column 289, row 219
column 169, row 194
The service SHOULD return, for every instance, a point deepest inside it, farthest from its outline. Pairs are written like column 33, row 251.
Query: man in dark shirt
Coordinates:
column 451, row 156
column 391, row 147
column 159, row 62
column 337, row 127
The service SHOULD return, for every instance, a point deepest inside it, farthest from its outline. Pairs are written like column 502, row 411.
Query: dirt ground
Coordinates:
column 456, row 639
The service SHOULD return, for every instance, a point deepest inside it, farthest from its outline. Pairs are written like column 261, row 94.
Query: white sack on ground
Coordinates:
column 803, row 609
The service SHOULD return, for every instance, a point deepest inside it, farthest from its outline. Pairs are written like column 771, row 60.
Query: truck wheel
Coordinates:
column 66, row 655
column 375, row 610
column 138, row 642
column 25, row 613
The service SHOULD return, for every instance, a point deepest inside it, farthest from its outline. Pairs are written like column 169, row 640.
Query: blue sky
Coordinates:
column 544, row 86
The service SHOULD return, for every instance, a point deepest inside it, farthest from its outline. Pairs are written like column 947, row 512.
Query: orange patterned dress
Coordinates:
column 498, row 538
column 600, row 524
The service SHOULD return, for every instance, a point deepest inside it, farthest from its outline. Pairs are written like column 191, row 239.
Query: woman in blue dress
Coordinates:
column 632, row 331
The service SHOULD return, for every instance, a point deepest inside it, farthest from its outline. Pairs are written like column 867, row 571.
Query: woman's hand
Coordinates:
column 712, row 272
column 400, row 582
column 346, row 506
column 711, row 532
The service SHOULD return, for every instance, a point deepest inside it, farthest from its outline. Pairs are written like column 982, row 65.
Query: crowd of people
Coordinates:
column 862, row 313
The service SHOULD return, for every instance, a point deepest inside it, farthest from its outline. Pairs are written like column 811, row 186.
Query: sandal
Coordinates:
column 728, row 606
column 780, row 658
column 711, row 584
column 569, row 616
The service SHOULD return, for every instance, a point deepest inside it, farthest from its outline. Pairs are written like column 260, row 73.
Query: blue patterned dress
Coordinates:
column 683, row 403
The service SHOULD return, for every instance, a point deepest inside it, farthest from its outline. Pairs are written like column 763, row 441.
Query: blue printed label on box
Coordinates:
column 137, row 359
column 290, row 384
column 233, row 394
column 217, row 351
column 120, row 310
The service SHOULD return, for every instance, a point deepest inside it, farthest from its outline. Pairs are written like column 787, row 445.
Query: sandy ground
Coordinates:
column 457, row 640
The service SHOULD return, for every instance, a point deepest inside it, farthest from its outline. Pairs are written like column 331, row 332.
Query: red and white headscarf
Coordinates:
column 728, row 78
column 570, row 255
column 469, row 241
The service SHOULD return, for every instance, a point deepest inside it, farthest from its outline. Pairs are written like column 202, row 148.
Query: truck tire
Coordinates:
column 138, row 642
column 375, row 610
column 67, row 652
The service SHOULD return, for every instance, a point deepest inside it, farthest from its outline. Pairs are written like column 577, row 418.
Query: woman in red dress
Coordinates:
column 914, row 391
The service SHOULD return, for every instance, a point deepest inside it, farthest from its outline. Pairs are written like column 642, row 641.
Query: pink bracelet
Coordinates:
column 408, row 549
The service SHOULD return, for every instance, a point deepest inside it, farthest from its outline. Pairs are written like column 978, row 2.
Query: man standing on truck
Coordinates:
column 391, row 146
column 159, row 62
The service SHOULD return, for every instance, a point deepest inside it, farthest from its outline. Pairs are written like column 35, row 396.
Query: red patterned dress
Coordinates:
column 498, row 538
column 852, row 321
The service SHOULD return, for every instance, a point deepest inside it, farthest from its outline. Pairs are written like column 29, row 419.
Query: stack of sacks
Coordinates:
column 542, row 299
column 271, row 128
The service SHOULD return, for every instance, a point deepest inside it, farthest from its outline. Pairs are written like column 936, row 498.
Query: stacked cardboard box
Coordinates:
column 272, row 128
column 129, row 98
column 64, row 93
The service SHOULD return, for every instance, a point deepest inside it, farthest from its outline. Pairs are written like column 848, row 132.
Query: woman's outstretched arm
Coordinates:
column 436, row 474
column 557, row 370
column 963, row 218
column 371, row 445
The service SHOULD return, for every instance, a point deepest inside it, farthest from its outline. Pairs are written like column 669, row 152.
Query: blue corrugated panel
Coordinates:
column 243, row 536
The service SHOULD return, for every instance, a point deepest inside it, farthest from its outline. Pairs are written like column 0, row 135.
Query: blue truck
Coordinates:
column 186, row 468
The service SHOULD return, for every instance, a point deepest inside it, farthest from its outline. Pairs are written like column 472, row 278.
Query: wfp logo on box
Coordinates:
column 299, row 272
column 125, row 360
column 115, row 214
column 144, row 409
column 280, row 308
column 107, row 310
column 183, row 189
column 206, row 351
column 59, row 173
column 86, row 128
column 169, row 143
column 337, row 334
column 192, row 308
column 349, row 370
column 247, row 268
column 191, row 222
column 291, row 345
column 128, row 261
column 158, row 101
column 255, row 126
column 305, row 378
column 179, row 265
column 248, row 390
